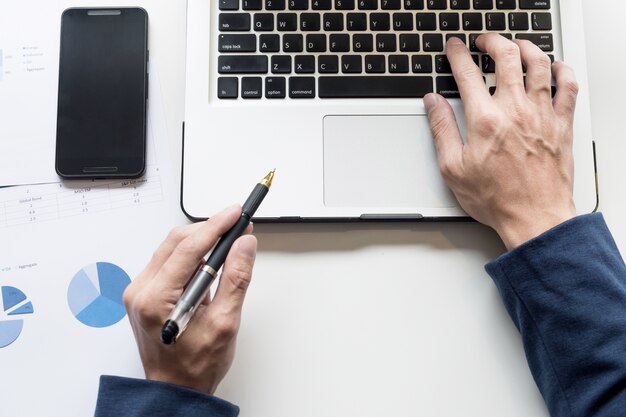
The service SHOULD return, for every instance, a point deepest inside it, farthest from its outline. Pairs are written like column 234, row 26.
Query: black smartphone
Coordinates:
column 103, row 93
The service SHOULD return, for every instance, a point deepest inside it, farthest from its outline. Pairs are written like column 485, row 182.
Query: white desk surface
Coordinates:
column 398, row 320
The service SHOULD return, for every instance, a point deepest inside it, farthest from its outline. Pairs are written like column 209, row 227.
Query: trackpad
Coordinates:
column 382, row 161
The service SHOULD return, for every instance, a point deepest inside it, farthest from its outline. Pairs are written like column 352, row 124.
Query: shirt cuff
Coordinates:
column 131, row 397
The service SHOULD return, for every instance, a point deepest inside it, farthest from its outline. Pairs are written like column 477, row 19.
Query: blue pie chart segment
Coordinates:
column 95, row 294
column 14, row 306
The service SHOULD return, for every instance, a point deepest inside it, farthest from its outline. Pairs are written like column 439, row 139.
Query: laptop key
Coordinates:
column 333, row 22
column 379, row 21
column 426, row 21
column 339, row 42
column 534, row 4
column 275, row 87
column 304, row 64
column 242, row 64
column 252, row 4
column 410, row 42
column 544, row 41
column 298, row 4
column 447, row 87
column 414, row 4
column 437, row 4
column 251, row 87
column 442, row 65
column 229, row 4
column 264, row 22
column 356, row 21
column 375, row 86
column 542, row 21
column 351, row 64
column 363, row 42
column 398, row 64
column 386, row 43
column 316, row 43
column 344, row 4
column 310, row 22
column 483, row 4
column 269, row 43
column 227, row 87
column 506, row 4
column 292, row 43
column 433, row 42
column 495, row 21
column 286, row 22
column 328, row 64
column 281, row 64
column 460, row 4
column 302, row 87
column 234, row 22
column 449, row 21
column 421, row 64
column 403, row 21
column 472, row 21
column 236, row 43
column 391, row 4
column 518, row 21
column 274, row 4
column 321, row 4
column 368, row 4
column 375, row 64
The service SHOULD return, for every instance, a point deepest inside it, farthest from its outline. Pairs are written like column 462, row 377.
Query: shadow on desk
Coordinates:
column 304, row 238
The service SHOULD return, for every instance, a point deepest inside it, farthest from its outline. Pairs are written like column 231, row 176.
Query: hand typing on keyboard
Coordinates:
column 515, row 170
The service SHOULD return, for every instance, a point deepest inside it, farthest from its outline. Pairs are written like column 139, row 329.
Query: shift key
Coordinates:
column 242, row 64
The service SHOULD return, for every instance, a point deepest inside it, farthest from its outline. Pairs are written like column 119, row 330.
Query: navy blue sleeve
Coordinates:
column 566, row 292
column 140, row 398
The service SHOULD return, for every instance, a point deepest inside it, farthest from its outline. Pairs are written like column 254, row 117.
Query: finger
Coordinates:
column 566, row 90
column 235, row 277
column 185, row 257
column 467, row 75
column 446, row 134
column 506, row 54
column 538, row 72
column 165, row 249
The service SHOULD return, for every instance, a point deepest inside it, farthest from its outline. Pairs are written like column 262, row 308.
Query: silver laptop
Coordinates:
column 329, row 92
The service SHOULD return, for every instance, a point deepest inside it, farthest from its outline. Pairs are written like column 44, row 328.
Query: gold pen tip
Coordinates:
column 267, row 180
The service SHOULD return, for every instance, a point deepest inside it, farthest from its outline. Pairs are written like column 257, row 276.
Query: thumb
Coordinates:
column 236, row 276
column 446, row 134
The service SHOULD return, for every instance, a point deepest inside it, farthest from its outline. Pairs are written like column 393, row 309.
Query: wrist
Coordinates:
column 516, row 232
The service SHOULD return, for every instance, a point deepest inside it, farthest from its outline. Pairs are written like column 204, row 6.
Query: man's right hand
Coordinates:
column 515, row 171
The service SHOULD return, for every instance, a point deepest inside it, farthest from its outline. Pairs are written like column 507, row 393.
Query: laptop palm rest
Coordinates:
column 382, row 161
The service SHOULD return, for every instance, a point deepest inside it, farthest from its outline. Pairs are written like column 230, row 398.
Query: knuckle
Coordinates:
column 448, row 170
column 488, row 123
column 187, row 246
column 509, row 50
column 177, row 234
column 225, row 326
column 541, row 61
column 241, row 276
column 440, row 124
column 571, row 87
column 128, row 296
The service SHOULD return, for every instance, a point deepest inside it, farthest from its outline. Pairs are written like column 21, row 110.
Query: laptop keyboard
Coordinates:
column 305, row 49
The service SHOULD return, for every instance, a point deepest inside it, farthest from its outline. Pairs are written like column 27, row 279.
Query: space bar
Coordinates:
column 374, row 87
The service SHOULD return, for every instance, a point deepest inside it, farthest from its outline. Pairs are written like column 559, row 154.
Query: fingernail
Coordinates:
column 430, row 102
column 247, row 246
column 455, row 40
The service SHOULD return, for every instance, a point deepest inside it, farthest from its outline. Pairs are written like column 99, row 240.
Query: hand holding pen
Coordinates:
column 201, row 358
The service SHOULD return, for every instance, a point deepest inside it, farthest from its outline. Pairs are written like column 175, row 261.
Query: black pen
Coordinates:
column 199, row 285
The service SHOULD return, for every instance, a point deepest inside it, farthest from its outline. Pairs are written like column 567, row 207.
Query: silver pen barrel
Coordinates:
column 185, row 308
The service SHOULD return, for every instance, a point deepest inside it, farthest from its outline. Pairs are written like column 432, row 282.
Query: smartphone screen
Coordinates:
column 103, row 89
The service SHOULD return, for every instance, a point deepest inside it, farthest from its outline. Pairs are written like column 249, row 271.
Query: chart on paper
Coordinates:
column 15, row 305
column 95, row 294
column 33, row 204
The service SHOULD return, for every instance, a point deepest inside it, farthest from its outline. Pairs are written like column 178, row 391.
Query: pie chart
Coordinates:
column 14, row 306
column 95, row 294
